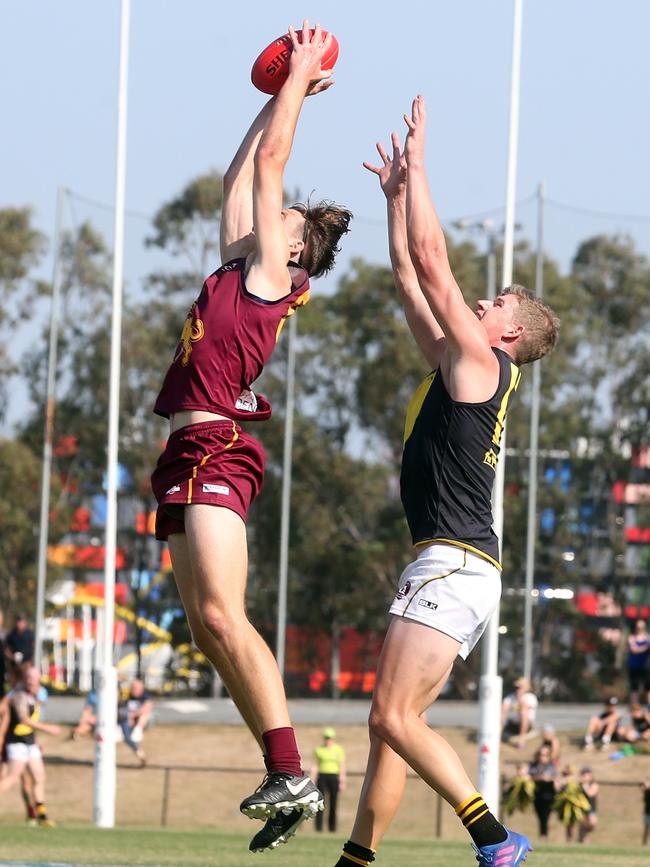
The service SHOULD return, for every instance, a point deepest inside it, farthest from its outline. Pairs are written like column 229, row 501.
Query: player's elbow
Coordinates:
column 269, row 157
column 427, row 253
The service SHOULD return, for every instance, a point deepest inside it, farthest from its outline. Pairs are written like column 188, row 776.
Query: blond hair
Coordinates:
column 540, row 323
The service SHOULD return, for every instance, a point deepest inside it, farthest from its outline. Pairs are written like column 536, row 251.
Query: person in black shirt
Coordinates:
column 23, row 753
column 544, row 772
column 20, row 643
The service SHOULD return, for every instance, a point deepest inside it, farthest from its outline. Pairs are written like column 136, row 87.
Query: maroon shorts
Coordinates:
column 214, row 463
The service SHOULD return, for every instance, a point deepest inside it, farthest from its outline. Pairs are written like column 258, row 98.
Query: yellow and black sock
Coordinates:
column 481, row 824
column 41, row 812
column 353, row 853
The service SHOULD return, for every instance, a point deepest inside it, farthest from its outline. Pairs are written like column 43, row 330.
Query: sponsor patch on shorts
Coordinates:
column 216, row 489
column 428, row 604
column 173, row 490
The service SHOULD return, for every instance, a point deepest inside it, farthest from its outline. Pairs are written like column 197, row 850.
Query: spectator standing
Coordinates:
column 590, row 788
column 552, row 741
column 20, row 643
column 133, row 715
column 518, row 713
column 330, row 775
column 638, row 663
column 544, row 774
column 603, row 726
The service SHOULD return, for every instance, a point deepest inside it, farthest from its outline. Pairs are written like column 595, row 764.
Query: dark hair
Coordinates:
column 325, row 223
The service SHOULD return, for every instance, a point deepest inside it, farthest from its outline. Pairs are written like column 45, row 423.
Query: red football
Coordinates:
column 271, row 68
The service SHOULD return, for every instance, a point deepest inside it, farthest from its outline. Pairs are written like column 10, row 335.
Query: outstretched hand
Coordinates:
column 307, row 55
column 392, row 174
column 416, row 123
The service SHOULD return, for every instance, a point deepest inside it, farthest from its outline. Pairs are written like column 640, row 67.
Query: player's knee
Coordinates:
column 385, row 722
column 219, row 624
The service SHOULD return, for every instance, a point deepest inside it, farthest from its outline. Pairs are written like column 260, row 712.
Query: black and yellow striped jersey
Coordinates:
column 22, row 706
column 449, row 460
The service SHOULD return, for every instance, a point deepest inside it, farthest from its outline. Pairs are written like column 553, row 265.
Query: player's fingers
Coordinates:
column 409, row 123
column 396, row 145
column 293, row 37
column 317, row 38
column 381, row 150
column 374, row 169
column 305, row 32
column 320, row 86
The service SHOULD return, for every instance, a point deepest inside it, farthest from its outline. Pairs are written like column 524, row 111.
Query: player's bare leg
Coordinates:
column 383, row 786
column 204, row 639
column 414, row 659
column 414, row 665
column 37, row 771
column 218, row 560
column 216, row 539
column 28, row 796
column 12, row 775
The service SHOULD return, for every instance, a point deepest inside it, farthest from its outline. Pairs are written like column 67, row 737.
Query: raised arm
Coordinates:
column 470, row 368
column 237, row 208
column 392, row 179
column 268, row 276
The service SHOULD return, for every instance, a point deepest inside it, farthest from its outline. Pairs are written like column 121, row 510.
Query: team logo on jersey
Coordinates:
column 193, row 330
column 404, row 590
column 490, row 459
column 246, row 401
column 174, row 490
column 427, row 603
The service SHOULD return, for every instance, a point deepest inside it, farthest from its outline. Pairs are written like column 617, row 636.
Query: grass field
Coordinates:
column 176, row 848
column 215, row 766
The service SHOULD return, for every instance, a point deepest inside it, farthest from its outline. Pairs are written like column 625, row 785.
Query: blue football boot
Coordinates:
column 511, row 852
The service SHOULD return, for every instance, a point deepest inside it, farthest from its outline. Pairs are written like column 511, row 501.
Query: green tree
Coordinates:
column 20, row 487
column 21, row 248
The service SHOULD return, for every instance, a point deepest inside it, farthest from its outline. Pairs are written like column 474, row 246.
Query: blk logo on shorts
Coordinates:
column 428, row 604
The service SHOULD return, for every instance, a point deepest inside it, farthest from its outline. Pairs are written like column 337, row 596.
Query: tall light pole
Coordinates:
column 491, row 686
column 44, row 522
column 283, row 572
column 106, row 676
column 531, row 529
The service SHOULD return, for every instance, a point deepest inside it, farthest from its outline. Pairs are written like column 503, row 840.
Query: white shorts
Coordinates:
column 451, row 590
column 23, row 752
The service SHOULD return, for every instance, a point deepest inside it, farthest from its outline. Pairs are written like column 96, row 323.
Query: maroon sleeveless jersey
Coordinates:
column 228, row 337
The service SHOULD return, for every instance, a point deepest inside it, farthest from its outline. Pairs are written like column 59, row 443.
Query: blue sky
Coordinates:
column 584, row 121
